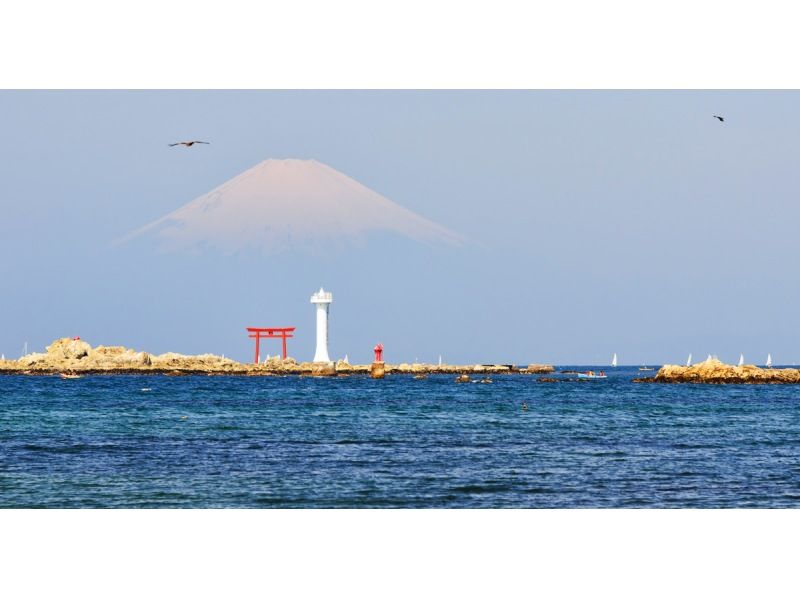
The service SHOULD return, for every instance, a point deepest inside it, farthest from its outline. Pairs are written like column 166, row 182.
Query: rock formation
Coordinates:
column 75, row 355
column 377, row 370
column 539, row 368
column 713, row 371
column 323, row 369
column 65, row 348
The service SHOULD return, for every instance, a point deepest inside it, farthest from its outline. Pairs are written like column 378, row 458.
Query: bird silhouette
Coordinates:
column 188, row 143
column 722, row 120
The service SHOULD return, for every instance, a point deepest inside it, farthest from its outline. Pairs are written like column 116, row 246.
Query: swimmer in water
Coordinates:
column 524, row 406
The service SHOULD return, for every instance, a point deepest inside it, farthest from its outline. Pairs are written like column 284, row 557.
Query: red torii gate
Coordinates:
column 281, row 333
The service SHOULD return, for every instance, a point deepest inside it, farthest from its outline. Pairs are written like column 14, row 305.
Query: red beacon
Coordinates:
column 378, row 352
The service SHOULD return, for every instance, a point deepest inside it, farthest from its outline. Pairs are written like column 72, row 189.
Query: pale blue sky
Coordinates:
column 628, row 222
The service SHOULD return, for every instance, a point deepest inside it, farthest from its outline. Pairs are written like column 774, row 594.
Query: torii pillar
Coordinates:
column 281, row 333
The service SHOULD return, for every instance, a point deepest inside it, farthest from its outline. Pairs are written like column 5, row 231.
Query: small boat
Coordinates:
column 420, row 376
column 769, row 360
column 644, row 368
column 65, row 376
column 741, row 359
column 462, row 378
column 486, row 380
column 614, row 361
column 689, row 361
column 592, row 375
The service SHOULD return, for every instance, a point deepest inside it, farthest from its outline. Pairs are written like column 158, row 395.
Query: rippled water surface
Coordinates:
column 155, row 441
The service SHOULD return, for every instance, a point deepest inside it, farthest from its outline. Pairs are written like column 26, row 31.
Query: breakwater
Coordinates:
column 77, row 356
column 713, row 371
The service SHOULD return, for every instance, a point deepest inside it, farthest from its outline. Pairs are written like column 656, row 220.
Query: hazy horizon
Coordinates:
column 601, row 222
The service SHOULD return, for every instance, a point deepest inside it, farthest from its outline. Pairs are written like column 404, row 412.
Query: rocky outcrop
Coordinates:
column 68, row 355
column 323, row 369
column 427, row 368
column 205, row 362
column 64, row 355
column 378, row 370
column 113, row 357
column 713, row 371
column 539, row 368
column 68, row 348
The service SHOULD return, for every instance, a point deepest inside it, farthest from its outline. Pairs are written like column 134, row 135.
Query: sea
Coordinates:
column 295, row 442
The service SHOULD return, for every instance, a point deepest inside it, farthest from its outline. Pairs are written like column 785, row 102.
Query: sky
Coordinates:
column 595, row 222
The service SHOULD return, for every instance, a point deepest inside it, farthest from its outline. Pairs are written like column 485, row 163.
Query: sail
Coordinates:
column 614, row 360
column 741, row 359
column 769, row 360
column 689, row 361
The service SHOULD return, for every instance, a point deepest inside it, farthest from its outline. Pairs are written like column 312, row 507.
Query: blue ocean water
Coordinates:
column 198, row 441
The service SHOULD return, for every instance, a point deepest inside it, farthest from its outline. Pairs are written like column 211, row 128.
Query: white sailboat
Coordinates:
column 741, row 359
column 769, row 360
column 614, row 361
column 689, row 361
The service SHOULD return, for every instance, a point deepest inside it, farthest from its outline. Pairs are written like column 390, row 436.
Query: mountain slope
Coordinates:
column 278, row 204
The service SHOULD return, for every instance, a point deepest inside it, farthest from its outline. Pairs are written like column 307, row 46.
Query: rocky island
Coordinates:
column 713, row 371
column 67, row 355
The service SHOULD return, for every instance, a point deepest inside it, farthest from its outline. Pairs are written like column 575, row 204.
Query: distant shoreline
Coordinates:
column 76, row 356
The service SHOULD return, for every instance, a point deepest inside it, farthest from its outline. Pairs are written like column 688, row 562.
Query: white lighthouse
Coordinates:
column 323, row 300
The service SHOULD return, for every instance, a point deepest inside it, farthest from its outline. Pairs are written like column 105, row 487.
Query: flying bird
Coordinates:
column 722, row 120
column 188, row 143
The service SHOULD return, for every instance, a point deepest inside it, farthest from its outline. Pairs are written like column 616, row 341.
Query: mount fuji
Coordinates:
column 280, row 204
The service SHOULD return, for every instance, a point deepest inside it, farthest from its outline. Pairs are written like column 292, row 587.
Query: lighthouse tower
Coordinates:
column 323, row 300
